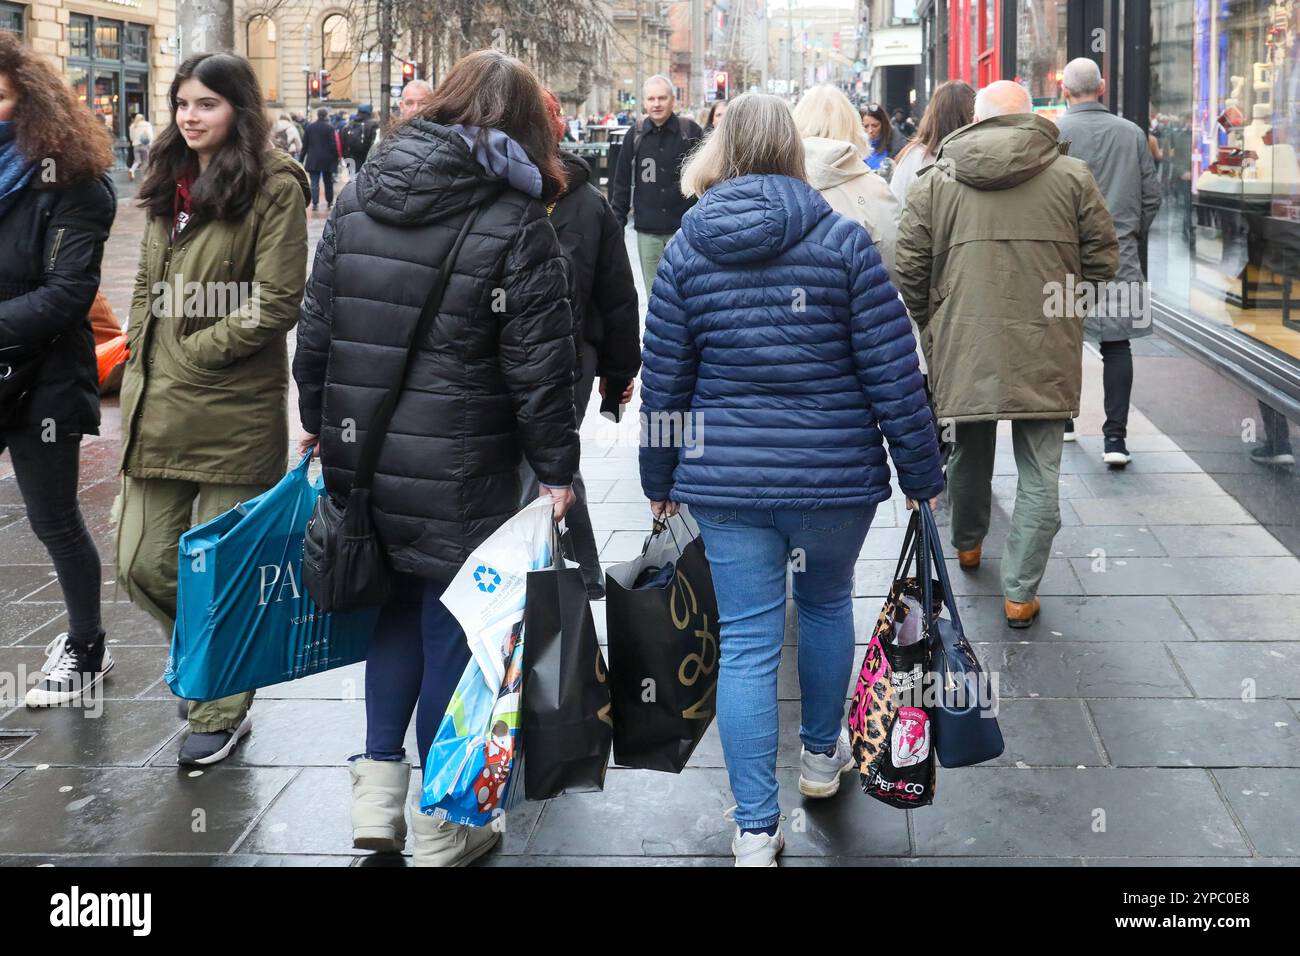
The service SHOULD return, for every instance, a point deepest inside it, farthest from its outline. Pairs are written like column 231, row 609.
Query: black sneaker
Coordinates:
column 1069, row 430
column 70, row 673
column 1116, row 454
column 1271, row 457
column 199, row 750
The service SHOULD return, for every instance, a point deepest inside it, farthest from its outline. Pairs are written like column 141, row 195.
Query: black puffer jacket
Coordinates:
column 493, row 378
column 604, row 293
column 53, row 242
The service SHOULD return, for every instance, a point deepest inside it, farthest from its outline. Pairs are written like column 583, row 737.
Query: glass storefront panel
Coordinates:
column 1225, row 87
column 137, row 44
column 1041, row 52
column 77, row 78
column 79, row 35
column 106, row 103
column 136, row 91
column 11, row 18
column 108, row 40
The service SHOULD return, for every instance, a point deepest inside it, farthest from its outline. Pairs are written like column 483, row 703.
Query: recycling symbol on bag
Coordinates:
column 486, row 578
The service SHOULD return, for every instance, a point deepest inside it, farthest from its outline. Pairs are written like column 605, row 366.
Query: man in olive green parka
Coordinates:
column 994, row 238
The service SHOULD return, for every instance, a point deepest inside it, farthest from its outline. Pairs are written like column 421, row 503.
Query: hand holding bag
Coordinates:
column 345, row 565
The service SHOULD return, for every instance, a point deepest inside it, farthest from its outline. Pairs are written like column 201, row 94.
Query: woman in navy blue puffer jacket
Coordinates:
column 776, row 342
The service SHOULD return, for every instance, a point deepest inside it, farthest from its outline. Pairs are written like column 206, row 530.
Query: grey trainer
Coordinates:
column 819, row 775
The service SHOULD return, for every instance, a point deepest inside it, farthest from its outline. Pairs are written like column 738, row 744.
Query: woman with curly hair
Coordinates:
column 56, row 209
column 221, row 275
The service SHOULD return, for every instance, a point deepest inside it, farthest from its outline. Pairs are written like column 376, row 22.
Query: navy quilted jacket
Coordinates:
column 774, row 324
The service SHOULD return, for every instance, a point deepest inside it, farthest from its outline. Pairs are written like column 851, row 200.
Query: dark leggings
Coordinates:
column 416, row 656
column 47, row 474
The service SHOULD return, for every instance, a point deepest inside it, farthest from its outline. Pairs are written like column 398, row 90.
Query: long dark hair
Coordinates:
column 50, row 122
column 877, row 112
column 950, row 108
column 491, row 90
column 229, row 185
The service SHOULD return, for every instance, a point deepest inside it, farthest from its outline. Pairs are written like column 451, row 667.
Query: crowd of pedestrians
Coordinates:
column 820, row 320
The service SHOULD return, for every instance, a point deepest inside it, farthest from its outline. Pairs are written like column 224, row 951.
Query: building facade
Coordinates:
column 119, row 55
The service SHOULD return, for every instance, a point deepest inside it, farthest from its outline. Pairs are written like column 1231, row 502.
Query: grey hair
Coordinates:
column 659, row 78
column 758, row 136
column 419, row 85
column 1082, row 77
column 1000, row 98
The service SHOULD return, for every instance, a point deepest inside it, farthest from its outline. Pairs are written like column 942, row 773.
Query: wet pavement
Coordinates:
column 1152, row 715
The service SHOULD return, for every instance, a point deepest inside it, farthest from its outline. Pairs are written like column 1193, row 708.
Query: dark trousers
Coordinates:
column 1277, row 433
column 1117, row 383
column 47, row 474
column 577, row 520
column 416, row 658
column 316, row 176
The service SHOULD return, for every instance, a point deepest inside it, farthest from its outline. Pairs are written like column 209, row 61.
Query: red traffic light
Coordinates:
column 314, row 84
column 408, row 71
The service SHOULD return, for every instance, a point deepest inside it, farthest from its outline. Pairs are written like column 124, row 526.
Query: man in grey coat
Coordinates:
column 1119, row 156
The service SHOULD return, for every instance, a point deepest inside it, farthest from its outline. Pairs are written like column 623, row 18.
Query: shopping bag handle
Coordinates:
column 930, row 536
column 659, row 525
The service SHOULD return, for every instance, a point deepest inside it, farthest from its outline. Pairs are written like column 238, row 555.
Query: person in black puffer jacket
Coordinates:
column 56, row 209
column 493, row 381
column 609, row 324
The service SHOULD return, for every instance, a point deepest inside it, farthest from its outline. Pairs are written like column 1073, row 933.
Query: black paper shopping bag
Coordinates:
column 565, row 721
column 663, row 649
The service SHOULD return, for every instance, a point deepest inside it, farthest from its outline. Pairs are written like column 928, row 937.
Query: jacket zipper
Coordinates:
column 58, row 242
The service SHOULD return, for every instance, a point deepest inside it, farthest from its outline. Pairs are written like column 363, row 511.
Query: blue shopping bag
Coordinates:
column 243, row 618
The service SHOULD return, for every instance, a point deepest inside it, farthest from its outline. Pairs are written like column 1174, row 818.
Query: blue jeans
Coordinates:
column 416, row 656
column 749, row 550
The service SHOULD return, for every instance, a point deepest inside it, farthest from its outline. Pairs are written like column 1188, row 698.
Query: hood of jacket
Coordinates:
column 832, row 162
column 753, row 218
column 278, row 162
column 576, row 170
column 1000, row 152
column 424, row 172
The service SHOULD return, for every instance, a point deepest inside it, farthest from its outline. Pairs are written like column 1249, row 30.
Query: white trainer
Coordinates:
column 757, row 849
column 819, row 775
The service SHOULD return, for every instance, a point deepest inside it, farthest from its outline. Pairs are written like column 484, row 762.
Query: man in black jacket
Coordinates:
column 647, row 179
column 320, row 157
column 358, row 136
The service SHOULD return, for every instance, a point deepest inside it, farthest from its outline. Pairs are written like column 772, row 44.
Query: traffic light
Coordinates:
column 720, row 85
column 324, row 85
column 408, row 72
column 313, row 86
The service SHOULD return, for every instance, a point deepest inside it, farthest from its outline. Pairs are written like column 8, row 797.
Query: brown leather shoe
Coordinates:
column 1021, row 615
column 970, row 560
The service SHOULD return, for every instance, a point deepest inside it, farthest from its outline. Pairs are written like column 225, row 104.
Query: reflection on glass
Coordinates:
column 1226, row 246
column 1041, row 52
column 11, row 18
column 79, row 35
column 108, row 40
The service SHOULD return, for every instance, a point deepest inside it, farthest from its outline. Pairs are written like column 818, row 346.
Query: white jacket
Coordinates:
column 905, row 171
column 836, row 170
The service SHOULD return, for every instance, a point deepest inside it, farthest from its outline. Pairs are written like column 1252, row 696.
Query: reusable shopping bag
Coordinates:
column 243, row 618
column 474, row 758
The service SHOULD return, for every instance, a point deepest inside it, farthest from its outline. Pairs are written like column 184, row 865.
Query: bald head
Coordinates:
column 1082, row 80
column 1000, row 98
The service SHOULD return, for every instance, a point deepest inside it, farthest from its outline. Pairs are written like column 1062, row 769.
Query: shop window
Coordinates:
column 137, row 44
column 1041, row 52
column 79, row 35
column 263, row 54
column 337, row 56
column 11, row 18
column 108, row 40
column 1225, row 82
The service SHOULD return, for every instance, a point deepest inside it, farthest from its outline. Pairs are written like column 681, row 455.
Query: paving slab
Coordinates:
column 1083, row 669
column 1078, row 619
column 1198, row 733
column 1212, row 618
column 1238, row 670
column 111, row 733
column 1205, row 541
column 1147, row 510
column 1265, row 801
column 875, row 577
column 1075, row 813
column 79, row 810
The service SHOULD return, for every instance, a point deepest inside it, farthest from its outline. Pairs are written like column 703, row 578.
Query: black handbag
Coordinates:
column 964, row 715
column 344, row 564
column 17, row 378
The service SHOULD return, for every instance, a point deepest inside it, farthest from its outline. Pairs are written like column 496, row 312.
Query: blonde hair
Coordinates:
column 826, row 112
column 758, row 136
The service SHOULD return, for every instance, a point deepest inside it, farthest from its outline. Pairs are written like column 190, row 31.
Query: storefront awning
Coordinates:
column 896, row 46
